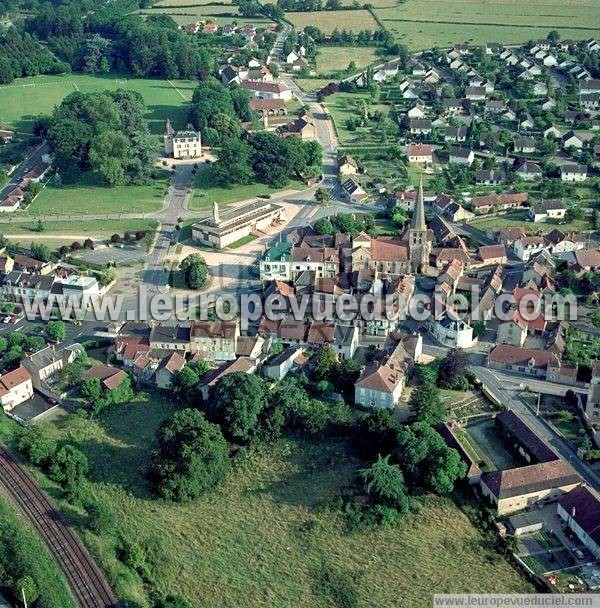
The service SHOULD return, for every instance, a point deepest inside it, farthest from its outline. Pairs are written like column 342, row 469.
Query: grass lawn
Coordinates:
column 519, row 219
column 423, row 24
column 25, row 98
column 88, row 196
column 206, row 191
column 342, row 106
column 57, row 234
column 241, row 242
column 337, row 58
column 177, row 3
column 266, row 536
column 312, row 84
column 327, row 21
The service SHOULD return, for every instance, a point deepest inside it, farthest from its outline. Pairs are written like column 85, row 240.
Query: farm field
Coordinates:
column 337, row 58
column 266, row 536
column 206, row 191
column 87, row 196
column 178, row 3
column 327, row 21
column 25, row 98
column 422, row 24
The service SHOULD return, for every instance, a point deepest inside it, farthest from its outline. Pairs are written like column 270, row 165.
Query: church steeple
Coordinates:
column 418, row 218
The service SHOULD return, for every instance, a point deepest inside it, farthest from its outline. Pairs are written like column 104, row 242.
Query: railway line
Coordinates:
column 87, row 583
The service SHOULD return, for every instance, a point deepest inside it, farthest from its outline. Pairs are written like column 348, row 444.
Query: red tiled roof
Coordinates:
column 15, row 378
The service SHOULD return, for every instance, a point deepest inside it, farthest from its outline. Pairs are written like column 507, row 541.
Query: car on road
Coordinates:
column 6, row 320
column 578, row 553
column 51, row 400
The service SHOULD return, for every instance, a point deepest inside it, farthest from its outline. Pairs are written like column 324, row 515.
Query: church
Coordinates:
column 407, row 254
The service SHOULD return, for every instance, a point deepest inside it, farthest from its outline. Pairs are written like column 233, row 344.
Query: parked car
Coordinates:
column 578, row 553
column 51, row 400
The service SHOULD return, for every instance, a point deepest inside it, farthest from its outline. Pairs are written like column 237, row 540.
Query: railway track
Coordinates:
column 87, row 583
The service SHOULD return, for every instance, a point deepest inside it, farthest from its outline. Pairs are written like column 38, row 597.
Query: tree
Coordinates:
column 452, row 370
column 377, row 433
column 195, row 271
column 324, row 226
column 478, row 328
column 427, row 404
column 101, row 519
column 56, row 331
column 186, row 382
column 41, row 252
column 426, row 459
column 91, row 390
column 325, row 364
column 192, row 457
column 385, row 483
column 234, row 165
column 68, row 467
column 37, row 448
column 321, row 196
column 107, row 276
column 237, row 401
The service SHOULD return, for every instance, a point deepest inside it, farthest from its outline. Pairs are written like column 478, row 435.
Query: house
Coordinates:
column 353, row 191
column 500, row 202
column 345, row 341
column 228, row 29
column 540, row 89
column 214, row 340
column 419, row 126
column 279, row 366
column 268, row 107
column 490, row 177
column 560, row 242
column 527, row 246
column 31, row 265
column 590, row 101
column 47, row 361
column 452, row 333
column 492, row 254
column 452, row 106
column 571, row 140
column 17, row 286
column 524, row 144
column 461, row 156
column 551, row 130
column 592, row 406
column 494, row 106
column 527, row 170
column 170, row 336
column 580, row 510
column 547, row 209
column 455, row 134
column 379, row 386
column 475, row 93
column 417, row 110
column 110, row 377
column 347, row 165
column 547, row 104
column 291, row 57
column 210, row 28
column 589, row 86
column 267, row 90
column 182, row 144
column 302, row 127
column 420, row 153
column 244, row 365
column 167, row 370
column 526, row 122
column 587, row 260
column 6, row 136
column 15, row 388
column 573, row 173
column 515, row 489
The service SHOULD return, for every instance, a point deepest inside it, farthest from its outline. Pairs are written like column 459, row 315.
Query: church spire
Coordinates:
column 418, row 218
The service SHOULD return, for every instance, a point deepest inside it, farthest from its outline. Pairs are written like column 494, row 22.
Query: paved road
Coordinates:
column 34, row 157
column 507, row 387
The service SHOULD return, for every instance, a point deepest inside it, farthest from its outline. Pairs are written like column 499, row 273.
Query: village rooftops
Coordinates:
column 583, row 505
column 539, row 449
column 530, row 479
column 380, row 378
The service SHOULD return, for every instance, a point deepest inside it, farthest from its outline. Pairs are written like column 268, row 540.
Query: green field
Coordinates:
column 87, row 196
column 178, row 3
column 206, row 191
column 342, row 106
column 25, row 98
column 519, row 219
column 327, row 21
column 337, row 58
column 266, row 537
column 423, row 24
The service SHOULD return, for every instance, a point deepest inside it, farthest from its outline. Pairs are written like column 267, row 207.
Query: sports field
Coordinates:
column 422, row 24
column 327, row 21
column 25, row 98
column 337, row 58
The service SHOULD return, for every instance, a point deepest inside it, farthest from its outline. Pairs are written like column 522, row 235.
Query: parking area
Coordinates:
column 109, row 255
column 34, row 409
column 553, row 548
